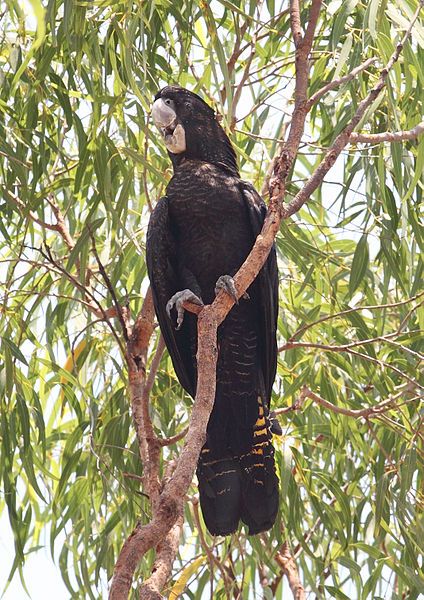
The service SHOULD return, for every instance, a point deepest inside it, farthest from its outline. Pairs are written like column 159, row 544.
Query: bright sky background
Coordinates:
column 42, row 576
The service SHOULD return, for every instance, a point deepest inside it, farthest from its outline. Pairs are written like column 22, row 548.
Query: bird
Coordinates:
column 198, row 236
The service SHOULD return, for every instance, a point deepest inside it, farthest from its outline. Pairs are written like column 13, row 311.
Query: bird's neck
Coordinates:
column 210, row 144
column 180, row 161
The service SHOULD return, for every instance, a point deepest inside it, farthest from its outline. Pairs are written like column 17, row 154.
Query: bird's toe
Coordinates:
column 226, row 283
column 177, row 301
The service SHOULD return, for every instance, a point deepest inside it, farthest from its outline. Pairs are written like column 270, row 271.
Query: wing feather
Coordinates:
column 268, row 287
column 162, row 270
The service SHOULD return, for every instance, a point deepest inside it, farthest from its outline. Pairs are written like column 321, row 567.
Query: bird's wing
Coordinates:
column 268, row 287
column 162, row 270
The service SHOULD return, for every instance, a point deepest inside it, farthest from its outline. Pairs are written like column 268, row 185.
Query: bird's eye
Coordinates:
column 168, row 101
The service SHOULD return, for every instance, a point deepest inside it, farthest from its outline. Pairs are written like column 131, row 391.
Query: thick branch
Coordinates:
column 312, row 24
column 142, row 331
column 151, row 456
column 296, row 27
column 170, row 501
column 139, row 391
column 165, row 556
column 142, row 539
column 297, row 126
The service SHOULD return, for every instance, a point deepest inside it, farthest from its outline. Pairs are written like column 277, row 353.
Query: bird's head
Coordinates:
column 190, row 129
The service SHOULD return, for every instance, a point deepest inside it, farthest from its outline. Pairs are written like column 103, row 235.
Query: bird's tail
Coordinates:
column 240, row 487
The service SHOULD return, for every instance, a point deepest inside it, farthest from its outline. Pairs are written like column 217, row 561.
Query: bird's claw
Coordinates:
column 226, row 283
column 275, row 426
column 178, row 300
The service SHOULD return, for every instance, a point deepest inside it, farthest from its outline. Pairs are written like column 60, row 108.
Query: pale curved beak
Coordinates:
column 163, row 115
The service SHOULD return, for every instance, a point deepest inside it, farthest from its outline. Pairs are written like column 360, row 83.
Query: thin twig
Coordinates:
column 338, row 82
column 342, row 313
column 174, row 439
column 96, row 306
column 60, row 226
column 346, row 347
column 213, row 560
column 365, row 413
column 123, row 319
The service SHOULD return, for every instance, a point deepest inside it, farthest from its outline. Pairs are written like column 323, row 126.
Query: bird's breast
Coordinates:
column 209, row 221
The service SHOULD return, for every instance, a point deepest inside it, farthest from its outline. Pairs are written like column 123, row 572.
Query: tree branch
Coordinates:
column 121, row 312
column 284, row 558
column 166, row 552
column 141, row 333
column 338, row 82
column 302, row 329
column 213, row 560
column 93, row 303
column 388, row 136
column 346, row 347
column 170, row 502
column 174, row 439
column 295, row 25
column 60, row 225
column 139, row 391
column 287, row 563
column 287, row 156
column 365, row 413
column 343, row 138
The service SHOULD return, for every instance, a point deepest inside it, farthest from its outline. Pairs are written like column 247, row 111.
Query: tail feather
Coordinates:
column 220, row 493
column 240, row 487
column 260, row 483
column 259, row 489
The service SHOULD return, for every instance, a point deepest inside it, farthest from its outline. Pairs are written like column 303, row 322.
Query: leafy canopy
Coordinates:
column 78, row 155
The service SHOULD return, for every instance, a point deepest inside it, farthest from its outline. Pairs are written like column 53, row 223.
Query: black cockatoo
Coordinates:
column 198, row 236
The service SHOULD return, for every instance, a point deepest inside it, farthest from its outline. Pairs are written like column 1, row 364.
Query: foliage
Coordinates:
column 78, row 156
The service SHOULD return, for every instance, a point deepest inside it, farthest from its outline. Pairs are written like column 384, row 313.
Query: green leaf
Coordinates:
column 359, row 264
column 14, row 350
column 372, row 17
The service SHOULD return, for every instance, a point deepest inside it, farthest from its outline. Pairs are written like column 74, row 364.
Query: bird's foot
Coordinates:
column 275, row 426
column 178, row 300
column 226, row 283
